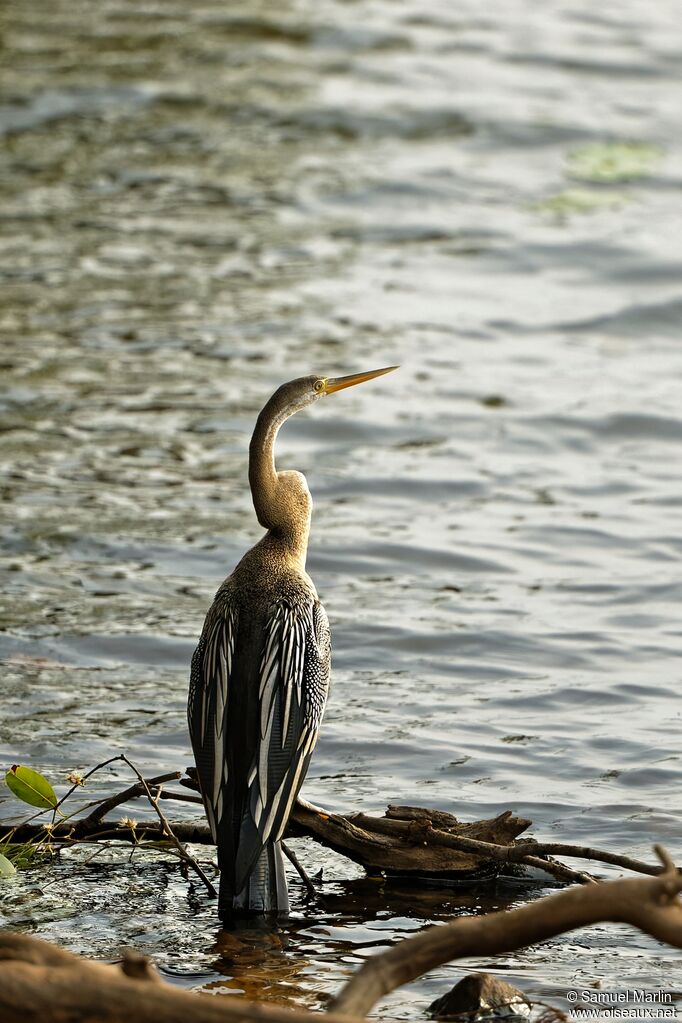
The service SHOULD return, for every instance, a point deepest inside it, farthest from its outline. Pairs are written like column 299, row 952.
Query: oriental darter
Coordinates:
column 260, row 673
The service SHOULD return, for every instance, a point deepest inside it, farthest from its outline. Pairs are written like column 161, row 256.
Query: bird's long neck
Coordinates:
column 282, row 507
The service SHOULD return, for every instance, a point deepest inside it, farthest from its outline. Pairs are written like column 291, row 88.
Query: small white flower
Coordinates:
column 75, row 777
column 127, row 822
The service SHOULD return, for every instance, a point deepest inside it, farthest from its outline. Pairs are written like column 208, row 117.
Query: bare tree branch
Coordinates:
column 181, row 797
column 651, row 904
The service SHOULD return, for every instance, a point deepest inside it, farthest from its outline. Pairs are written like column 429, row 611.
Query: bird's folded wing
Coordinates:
column 292, row 691
column 294, row 680
column 208, row 709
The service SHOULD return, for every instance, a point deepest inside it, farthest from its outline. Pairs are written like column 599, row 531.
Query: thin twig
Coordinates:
column 443, row 822
column 132, row 792
column 180, row 797
column 582, row 852
column 169, row 831
column 558, row 870
column 506, row 854
column 72, row 834
column 78, row 784
column 296, row 864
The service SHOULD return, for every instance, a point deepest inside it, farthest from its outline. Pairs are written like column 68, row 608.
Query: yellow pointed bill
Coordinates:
column 338, row 383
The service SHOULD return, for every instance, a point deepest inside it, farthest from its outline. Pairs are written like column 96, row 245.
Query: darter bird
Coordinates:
column 260, row 673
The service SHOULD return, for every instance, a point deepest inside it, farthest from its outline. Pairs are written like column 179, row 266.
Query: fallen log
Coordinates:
column 415, row 845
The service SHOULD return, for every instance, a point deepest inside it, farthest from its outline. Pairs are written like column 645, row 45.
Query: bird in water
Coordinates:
column 260, row 673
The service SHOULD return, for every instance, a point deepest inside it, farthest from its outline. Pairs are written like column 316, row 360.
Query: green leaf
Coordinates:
column 7, row 869
column 31, row 787
column 22, row 855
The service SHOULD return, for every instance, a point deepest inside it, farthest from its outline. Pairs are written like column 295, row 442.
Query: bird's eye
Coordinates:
column 318, row 386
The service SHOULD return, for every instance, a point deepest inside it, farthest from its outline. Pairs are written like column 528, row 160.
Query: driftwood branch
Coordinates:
column 406, row 842
column 407, row 847
column 140, row 788
column 43, row 984
column 40, row 983
column 650, row 904
column 76, row 832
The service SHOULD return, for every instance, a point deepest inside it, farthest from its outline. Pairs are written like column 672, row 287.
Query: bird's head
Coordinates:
column 282, row 499
column 297, row 394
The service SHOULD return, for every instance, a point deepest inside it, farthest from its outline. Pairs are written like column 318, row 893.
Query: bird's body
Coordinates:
column 260, row 675
column 270, row 708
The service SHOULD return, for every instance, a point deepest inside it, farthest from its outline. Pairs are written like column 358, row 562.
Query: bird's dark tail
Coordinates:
column 265, row 890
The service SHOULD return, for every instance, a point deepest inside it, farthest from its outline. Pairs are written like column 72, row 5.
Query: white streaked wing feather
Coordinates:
column 310, row 743
column 258, row 811
column 287, row 710
column 291, row 797
column 263, row 762
column 203, row 696
column 273, row 809
column 218, row 754
column 215, row 686
column 211, row 821
column 268, row 702
column 221, row 693
column 287, row 651
column 268, row 664
column 282, row 676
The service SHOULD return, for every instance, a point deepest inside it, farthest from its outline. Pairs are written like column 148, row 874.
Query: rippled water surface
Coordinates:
column 201, row 200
